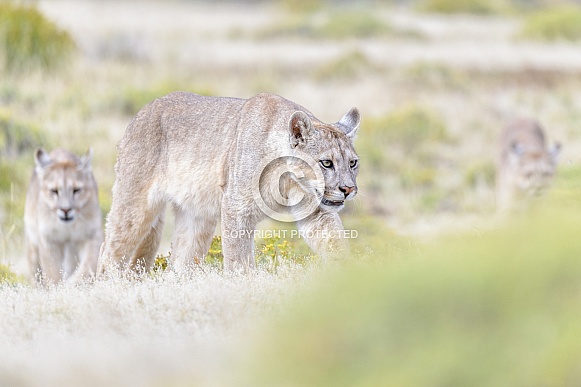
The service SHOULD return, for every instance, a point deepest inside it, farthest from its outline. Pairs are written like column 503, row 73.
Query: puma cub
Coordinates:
column 62, row 218
column 232, row 159
column 526, row 165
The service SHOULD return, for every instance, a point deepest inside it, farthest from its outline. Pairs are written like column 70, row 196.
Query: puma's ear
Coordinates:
column 300, row 128
column 85, row 164
column 41, row 159
column 350, row 122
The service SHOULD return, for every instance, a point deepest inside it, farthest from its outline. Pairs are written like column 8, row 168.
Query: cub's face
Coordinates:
column 65, row 185
column 330, row 147
column 534, row 173
column 533, row 168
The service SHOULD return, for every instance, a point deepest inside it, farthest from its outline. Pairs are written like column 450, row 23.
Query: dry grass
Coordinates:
column 164, row 330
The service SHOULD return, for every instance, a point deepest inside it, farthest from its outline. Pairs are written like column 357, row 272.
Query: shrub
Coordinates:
column 410, row 127
column 480, row 173
column 28, row 40
column 558, row 23
column 302, row 6
column 336, row 26
column 435, row 75
column 354, row 24
column 348, row 66
column 479, row 7
column 17, row 136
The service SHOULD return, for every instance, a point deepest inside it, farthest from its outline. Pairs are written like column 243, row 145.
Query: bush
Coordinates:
column 480, row 173
column 429, row 74
column 348, row 66
column 336, row 26
column 479, row 7
column 28, row 40
column 17, row 136
column 409, row 127
column 355, row 24
column 302, row 6
column 558, row 23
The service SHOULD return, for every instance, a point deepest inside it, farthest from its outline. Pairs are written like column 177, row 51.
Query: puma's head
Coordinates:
column 330, row 146
column 66, row 182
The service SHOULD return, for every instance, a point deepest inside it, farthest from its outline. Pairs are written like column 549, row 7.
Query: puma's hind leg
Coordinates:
column 192, row 236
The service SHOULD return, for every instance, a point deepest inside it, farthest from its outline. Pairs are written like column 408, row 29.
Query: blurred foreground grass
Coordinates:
column 500, row 308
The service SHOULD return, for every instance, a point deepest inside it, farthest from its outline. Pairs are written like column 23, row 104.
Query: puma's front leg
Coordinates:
column 87, row 265
column 51, row 255
column 324, row 233
column 237, row 236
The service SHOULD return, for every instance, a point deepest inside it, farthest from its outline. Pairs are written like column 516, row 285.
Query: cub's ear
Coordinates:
column 85, row 164
column 300, row 128
column 350, row 122
column 41, row 159
column 516, row 152
column 517, row 149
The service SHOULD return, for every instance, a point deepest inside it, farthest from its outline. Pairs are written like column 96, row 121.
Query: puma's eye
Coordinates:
column 327, row 163
column 353, row 163
column 54, row 191
column 76, row 190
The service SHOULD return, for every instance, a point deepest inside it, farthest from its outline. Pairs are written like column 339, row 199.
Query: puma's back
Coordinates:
column 62, row 217
column 526, row 166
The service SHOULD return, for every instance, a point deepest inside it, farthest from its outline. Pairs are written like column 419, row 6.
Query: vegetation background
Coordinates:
column 438, row 291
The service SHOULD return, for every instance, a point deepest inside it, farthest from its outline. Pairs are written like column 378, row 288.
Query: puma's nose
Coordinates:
column 66, row 214
column 346, row 190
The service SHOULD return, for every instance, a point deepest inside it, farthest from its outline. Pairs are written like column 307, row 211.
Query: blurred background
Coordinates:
column 435, row 81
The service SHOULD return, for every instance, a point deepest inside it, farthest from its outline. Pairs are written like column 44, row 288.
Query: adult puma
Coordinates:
column 209, row 158
column 526, row 166
column 62, row 218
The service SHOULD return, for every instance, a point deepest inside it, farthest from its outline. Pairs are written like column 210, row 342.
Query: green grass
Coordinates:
column 8, row 277
column 556, row 23
column 497, row 309
column 28, row 40
column 270, row 253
